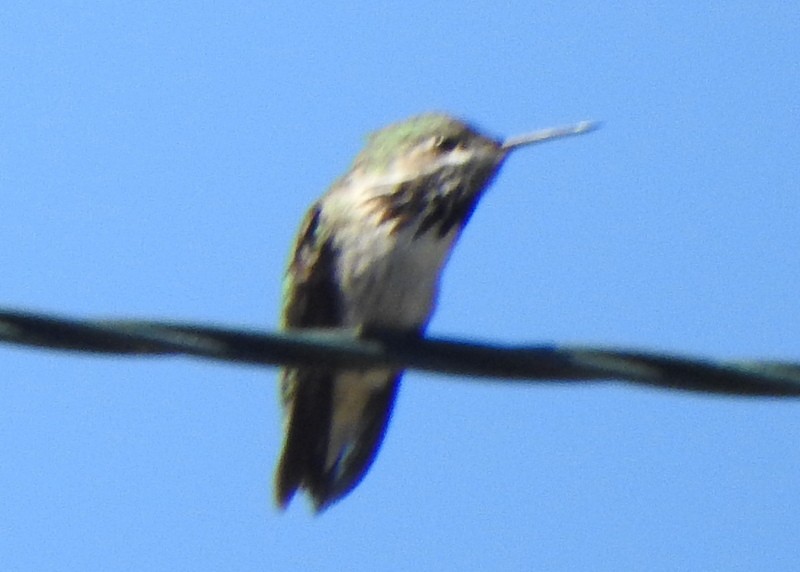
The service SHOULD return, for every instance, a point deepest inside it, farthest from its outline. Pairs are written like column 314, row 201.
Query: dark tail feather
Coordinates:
column 347, row 473
column 306, row 433
column 302, row 463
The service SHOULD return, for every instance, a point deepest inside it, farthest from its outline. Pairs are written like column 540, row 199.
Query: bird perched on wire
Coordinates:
column 369, row 256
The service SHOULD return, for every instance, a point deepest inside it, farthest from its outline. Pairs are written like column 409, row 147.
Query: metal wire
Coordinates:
column 343, row 348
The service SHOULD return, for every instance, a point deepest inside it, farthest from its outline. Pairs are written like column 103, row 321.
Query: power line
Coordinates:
column 344, row 349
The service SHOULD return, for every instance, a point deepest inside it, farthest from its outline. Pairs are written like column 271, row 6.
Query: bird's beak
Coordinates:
column 548, row 135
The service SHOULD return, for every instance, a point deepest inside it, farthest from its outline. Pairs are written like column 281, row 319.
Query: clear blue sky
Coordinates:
column 156, row 159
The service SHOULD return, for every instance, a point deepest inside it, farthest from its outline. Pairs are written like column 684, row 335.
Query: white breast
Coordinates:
column 389, row 277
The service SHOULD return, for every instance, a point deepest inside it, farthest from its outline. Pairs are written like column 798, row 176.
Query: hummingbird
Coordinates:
column 368, row 258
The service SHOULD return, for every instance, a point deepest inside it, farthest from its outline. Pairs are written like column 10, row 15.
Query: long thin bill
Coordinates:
column 550, row 134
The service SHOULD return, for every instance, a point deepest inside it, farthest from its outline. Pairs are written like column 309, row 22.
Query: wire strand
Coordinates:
column 346, row 349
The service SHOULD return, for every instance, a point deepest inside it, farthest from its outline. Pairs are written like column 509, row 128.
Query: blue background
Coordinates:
column 155, row 162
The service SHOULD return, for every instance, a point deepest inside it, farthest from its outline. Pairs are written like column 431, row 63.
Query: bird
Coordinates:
column 369, row 257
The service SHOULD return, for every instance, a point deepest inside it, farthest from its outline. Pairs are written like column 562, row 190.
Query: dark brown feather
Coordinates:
column 313, row 300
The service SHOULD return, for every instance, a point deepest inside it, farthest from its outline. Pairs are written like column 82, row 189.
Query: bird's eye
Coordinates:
column 445, row 144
